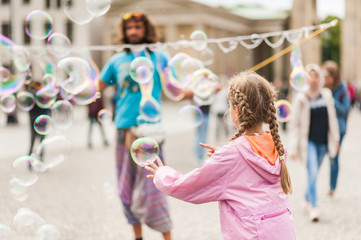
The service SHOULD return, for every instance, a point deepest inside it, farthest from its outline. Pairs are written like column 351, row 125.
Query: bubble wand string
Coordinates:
column 291, row 47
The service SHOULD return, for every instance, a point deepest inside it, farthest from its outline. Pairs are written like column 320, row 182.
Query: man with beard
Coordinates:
column 142, row 202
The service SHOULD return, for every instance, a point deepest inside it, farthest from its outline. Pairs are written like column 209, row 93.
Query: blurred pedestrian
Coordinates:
column 202, row 129
column 34, row 113
column 220, row 108
column 93, row 110
column 313, row 132
column 150, row 206
column 341, row 101
column 248, row 176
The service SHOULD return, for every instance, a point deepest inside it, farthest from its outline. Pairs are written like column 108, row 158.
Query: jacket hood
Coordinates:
column 260, row 153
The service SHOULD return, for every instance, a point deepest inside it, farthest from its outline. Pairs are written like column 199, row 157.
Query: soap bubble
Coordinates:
column 43, row 124
column 77, row 11
column 141, row 70
column 283, row 110
column 59, row 45
column 7, row 103
column 105, row 116
column 38, row 24
column 198, row 37
column 144, row 149
column 192, row 116
column 98, row 7
column 25, row 100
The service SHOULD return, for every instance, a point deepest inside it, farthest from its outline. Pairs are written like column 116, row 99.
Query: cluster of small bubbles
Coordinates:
column 77, row 71
column 46, row 96
column 25, row 100
column 144, row 149
column 59, row 45
column 105, row 116
column 141, row 70
column 38, row 24
column 199, row 40
column 192, row 115
column 203, row 83
column 43, row 124
column 299, row 79
column 21, row 58
column 21, row 173
column 53, row 151
column 283, row 110
column 8, row 103
column 62, row 114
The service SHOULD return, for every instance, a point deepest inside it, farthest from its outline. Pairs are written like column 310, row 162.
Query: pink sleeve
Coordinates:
column 201, row 185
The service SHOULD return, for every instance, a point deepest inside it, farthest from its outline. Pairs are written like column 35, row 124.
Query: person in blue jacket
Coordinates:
column 342, row 105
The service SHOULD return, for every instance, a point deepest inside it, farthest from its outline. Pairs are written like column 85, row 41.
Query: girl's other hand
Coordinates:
column 152, row 167
column 211, row 149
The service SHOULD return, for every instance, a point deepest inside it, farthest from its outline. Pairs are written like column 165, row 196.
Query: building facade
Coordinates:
column 13, row 15
column 351, row 42
column 177, row 19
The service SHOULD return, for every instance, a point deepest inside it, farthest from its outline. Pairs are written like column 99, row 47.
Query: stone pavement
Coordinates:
column 78, row 196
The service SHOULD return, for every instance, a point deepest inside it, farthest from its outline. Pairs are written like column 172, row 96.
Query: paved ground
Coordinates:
column 78, row 195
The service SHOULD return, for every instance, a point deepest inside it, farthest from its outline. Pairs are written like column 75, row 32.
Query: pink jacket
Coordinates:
column 251, row 201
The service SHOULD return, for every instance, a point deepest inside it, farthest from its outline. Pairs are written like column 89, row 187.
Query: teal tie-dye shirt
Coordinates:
column 116, row 71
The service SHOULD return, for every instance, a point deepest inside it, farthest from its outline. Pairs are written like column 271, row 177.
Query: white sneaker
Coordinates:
column 314, row 214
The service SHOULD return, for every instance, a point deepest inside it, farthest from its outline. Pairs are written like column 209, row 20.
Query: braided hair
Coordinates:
column 255, row 100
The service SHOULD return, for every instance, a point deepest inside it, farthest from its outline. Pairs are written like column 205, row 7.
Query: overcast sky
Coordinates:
column 324, row 7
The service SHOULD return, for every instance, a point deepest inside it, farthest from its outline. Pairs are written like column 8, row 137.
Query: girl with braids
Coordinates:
column 248, row 176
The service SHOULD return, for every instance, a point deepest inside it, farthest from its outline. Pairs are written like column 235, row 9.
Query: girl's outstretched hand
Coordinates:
column 211, row 149
column 153, row 168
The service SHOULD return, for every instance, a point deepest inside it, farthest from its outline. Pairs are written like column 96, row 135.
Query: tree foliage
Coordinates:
column 331, row 41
